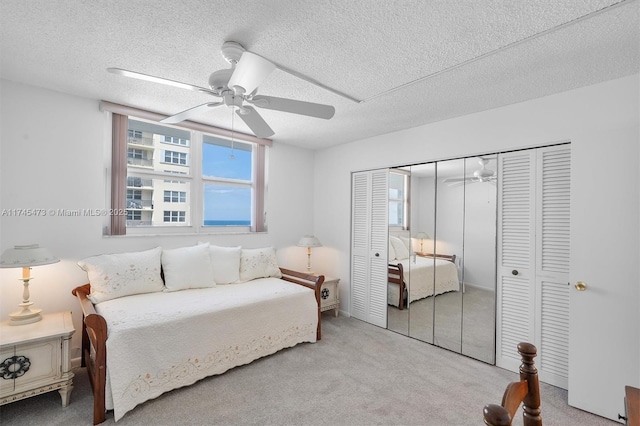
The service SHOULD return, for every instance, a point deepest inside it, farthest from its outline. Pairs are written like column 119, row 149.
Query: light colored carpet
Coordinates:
column 358, row 374
column 464, row 322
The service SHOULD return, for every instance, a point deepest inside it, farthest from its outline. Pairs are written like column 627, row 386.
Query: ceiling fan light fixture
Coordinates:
column 218, row 80
column 235, row 86
column 250, row 71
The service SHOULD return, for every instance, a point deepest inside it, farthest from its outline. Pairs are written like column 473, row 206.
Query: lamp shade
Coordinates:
column 309, row 241
column 422, row 236
column 25, row 256
column 250, row 71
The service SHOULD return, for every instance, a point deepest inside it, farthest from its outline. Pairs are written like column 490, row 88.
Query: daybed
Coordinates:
column 416, row 276
column 174, row 332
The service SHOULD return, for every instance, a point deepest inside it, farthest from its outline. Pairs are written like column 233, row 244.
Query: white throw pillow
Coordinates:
column 407, row 243
column 398, row 246
column 226, row 263
column 187, row 267
column 258, row 263
column 123, row 274
column 392, row 252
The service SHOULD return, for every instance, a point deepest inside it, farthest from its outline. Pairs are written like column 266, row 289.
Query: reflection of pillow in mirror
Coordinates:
column 407, row 243
column 400, row 249
column 392, row 252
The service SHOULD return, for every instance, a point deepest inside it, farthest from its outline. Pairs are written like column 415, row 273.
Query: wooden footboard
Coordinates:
column 94, row 341
column 396, row 276
column 313, row 282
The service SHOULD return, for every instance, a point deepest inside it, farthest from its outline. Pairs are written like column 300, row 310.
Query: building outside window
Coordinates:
column 175, row 157
column 219, row 182
column 174, row 216
column 175, row 196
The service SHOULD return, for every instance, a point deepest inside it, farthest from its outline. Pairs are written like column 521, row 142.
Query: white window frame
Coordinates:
column 404, row 201
column 180, row 196
column 194, row 177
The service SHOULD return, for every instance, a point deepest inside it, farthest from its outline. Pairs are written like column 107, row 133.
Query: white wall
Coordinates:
column 53, row 152
column 601, row 121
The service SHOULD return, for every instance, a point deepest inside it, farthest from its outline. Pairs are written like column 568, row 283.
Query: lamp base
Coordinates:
column 25, row 316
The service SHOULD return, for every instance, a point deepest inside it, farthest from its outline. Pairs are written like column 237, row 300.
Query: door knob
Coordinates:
column 580, row 286
column 377, row 254
column 514, row 272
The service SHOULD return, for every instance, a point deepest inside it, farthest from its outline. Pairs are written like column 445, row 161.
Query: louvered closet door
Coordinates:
column 533, row 253
column 516, row 256
column 369, row 242
column 552, row 266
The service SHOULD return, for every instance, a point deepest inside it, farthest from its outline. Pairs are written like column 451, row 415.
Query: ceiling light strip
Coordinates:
column 187, row 124
column 501, row 49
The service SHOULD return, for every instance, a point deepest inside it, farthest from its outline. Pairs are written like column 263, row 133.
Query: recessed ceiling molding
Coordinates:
column 317, row 83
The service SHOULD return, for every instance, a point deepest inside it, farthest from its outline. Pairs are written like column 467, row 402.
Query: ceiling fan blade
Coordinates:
column 256, row 123
column 189, row 113
column 295, row 107
column 165, row 81
column 447, row 180
column 250, row 71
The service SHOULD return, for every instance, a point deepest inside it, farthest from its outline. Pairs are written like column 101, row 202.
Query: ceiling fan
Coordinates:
column 237, row 89
column 481, row 175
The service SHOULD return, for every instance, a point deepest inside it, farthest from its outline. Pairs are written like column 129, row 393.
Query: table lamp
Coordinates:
column 25, row 257
column 422, row 236
column 309, row 241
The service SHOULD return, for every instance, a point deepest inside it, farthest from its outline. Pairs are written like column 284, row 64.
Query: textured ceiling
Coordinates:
column 409, row 62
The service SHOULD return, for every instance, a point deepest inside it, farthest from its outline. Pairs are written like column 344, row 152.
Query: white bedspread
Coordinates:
column 162, row 341
column 419, row 278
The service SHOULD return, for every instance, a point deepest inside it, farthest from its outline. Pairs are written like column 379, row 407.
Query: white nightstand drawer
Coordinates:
column 329, row 295
column 45, row 363
column 34, row 358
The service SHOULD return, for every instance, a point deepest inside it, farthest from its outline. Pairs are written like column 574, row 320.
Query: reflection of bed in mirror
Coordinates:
column 419, row 268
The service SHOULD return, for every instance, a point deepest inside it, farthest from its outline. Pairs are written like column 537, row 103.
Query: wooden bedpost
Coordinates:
column 94, row 334
column 526, row 391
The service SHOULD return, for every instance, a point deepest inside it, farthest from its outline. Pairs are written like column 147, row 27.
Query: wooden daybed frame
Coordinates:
column 396, row 273
column 94, row 336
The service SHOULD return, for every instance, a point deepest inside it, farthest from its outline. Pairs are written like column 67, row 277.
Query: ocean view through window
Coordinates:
column 184, row 180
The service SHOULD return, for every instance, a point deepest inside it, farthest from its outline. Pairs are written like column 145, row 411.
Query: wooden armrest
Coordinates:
column 395, row 274
column 313, row 282
column 94, row 335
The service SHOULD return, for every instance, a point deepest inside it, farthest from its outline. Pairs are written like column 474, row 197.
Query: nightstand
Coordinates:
column 35, row 358
column 329, row 295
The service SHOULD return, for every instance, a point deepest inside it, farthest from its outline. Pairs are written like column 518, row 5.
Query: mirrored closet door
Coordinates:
column 442, row 241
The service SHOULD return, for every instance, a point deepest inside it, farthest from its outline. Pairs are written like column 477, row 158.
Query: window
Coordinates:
column 398, row 199
column 176, row 141
column 218, row 183
column 135, row 134
column 174, row 216
column 135, row 153
column 134, row 215
column 175, row 157
column 227, row 177
column 134, row 194
column 175, row 196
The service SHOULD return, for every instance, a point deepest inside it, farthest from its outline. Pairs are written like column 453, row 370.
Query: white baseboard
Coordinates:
column 76, row 362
